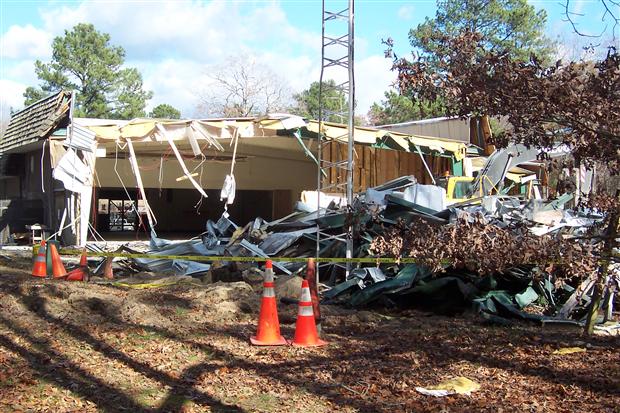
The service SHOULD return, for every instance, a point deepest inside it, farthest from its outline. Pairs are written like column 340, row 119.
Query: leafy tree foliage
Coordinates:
column 507, row 26
column 84, row 60
column 165, row 111
column 398, row 108
column 307, row 102
column 512, row 26
column 33, row 94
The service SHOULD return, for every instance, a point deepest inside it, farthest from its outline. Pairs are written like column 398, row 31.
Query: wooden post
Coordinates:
column 610, row 243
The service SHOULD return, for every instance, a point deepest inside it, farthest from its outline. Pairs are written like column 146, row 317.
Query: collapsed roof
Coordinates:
column 36, row 121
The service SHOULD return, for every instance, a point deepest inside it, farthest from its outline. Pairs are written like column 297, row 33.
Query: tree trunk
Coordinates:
column 611, row 234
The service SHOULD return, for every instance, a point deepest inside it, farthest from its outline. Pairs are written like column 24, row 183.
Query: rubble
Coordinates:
column 287, row 287
column 455, row 269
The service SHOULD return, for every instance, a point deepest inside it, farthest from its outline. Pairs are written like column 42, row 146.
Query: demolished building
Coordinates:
column 110, row 176
column 83, row 177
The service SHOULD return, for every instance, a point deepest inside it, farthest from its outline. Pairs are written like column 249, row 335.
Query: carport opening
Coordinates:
column 180, row 213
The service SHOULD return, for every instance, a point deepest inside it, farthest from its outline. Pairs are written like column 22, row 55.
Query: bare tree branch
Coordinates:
column 242, row 88
column 608, row 6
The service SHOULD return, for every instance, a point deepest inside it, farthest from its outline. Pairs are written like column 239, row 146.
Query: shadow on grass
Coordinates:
column 302, row 373
column 106, row 397
column 44, row 360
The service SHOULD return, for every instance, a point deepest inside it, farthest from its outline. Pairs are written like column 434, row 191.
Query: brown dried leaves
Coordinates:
column 483, row 247
column 577, row 103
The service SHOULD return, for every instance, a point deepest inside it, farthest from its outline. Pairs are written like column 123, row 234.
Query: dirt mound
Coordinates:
column 228, row 301
column 166, row 307
column 88, row 303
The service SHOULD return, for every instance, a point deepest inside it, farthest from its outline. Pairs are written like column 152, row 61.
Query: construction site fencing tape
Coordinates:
column 335, row 260
column 220, row 258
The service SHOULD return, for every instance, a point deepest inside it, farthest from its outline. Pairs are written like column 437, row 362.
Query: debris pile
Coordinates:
column 501, row 255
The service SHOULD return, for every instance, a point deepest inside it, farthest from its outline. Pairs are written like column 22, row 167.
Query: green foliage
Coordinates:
column 32, row 94
column 165, row 111
column 397, row 108
column 83, row 60
column 307, row 102
column 512, row 26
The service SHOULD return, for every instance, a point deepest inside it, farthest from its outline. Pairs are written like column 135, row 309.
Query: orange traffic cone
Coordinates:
column 76, row 275
column 39, row 269
column 58, row 269
column 268, row 333
column 306, row 334
column 84, row 259
column 80, row 273
column 107, row 269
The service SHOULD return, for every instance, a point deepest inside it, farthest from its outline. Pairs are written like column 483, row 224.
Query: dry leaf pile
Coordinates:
column 484, row 247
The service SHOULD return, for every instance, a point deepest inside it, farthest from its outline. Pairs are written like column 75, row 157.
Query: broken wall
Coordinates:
column 22, row 200
column 177, row 210
column 268, row 182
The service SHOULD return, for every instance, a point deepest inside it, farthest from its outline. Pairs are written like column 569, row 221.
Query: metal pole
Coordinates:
column 319, row 144
column 351, row 132
column 417, row 148
column 338, row 44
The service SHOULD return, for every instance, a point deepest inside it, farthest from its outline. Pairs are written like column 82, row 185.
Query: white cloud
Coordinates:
column 372, row 78
column 152, row 28
column 180, row 82
column 405, row 12
column 578, row 6
column 20, row 69
column 298, row 71
column 175, row 82
column 173, row 42
column 201, row 31
column 11, row 96
column 21, row 42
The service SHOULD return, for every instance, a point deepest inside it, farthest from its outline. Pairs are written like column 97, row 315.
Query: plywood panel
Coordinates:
column 375, row 166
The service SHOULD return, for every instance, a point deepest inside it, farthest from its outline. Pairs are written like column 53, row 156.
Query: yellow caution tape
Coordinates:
column 214, row 258
column 219, row 258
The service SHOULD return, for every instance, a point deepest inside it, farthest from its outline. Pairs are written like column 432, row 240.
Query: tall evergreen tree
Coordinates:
column 512, row 26
column 84, row 60
column 397, row 108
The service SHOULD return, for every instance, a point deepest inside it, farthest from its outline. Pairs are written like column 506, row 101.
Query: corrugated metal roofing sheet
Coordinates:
column 81, row 138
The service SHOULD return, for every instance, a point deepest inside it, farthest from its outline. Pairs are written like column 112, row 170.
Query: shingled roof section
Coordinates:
column 36, row 121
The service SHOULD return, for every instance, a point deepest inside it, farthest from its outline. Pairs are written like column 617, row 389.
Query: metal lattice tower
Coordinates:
column 336, row 64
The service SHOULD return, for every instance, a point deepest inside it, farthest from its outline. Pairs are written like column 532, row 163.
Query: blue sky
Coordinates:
column 176, row 43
